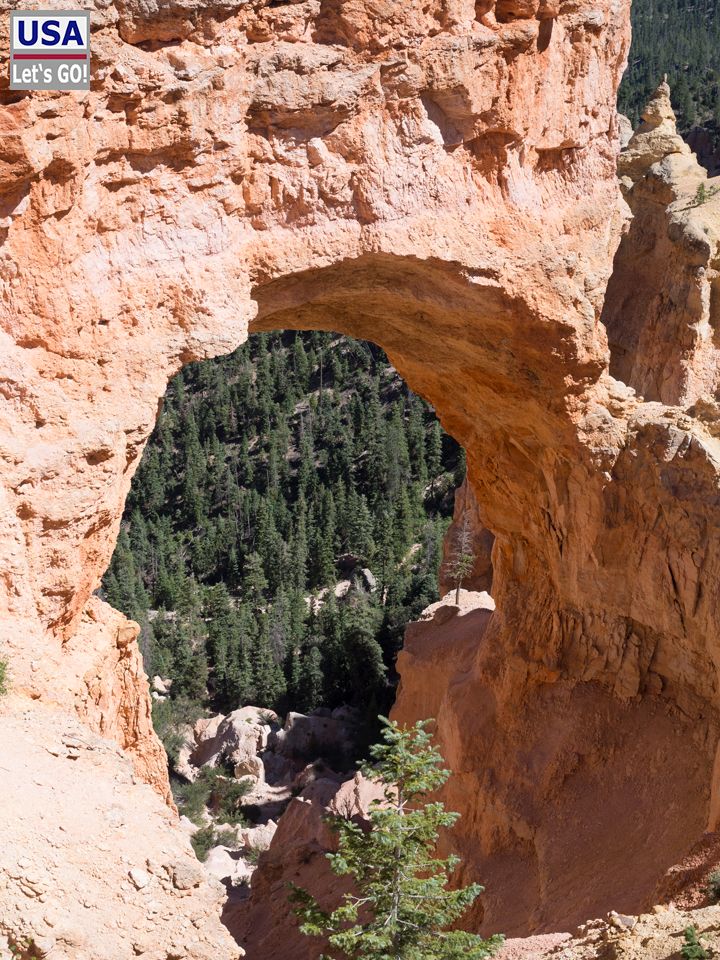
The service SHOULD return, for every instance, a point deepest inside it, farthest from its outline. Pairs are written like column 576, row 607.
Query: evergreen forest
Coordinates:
column 284, row 525
column 680, row 38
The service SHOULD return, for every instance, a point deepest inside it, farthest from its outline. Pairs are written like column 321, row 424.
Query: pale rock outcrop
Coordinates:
column 237, row 740
column 161, row 685
column 625, row 130
column 228, row 866
column 662, row 309
column 655, row 139
column 187, row 826
column 275, row 764
column 257, row 838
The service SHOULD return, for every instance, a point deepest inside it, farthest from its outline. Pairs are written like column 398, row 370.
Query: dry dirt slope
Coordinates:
column 92, row 863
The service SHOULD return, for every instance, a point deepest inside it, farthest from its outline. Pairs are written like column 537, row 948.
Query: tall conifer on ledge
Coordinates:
column 400, row 906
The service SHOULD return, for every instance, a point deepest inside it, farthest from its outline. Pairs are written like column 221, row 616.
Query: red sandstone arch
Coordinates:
column 440, row 179
column 558, row 713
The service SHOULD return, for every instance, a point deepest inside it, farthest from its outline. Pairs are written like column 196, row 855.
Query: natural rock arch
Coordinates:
column 440, row 178
column 558, row 714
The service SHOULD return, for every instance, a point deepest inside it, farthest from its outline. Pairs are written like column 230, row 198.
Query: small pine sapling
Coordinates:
column 692, row 948
column 462, row 558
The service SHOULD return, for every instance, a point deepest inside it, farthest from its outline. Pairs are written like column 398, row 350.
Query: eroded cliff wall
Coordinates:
column 438, row 177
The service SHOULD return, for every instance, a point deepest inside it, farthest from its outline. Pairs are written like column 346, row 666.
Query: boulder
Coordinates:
column 237, row 740
column 227, row 866
column 188, row 827
column 139, row 877
column 183, row 765
column 161, row 685
column 257, row 838
column 279, row 770
column 249, row 766
column 314, row 736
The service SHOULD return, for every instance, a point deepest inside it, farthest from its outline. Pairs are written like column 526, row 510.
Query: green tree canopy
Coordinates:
column 400, row 907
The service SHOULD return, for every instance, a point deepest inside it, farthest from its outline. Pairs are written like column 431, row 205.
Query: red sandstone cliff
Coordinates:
column 438, row 177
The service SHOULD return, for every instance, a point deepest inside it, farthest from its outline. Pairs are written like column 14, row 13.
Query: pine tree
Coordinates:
column 241, row 681
column 360, row 527
column 692, row 948
column 323, row 565
column 300, row 546
column 400, row 907
column 462, row 559
column 254, row 582
column 268, row 676
column 362, row 655
column 308, row 691
column 189, row 670
column 124, row 587
column 434, row 452
column 223, row 643
column 301, row 365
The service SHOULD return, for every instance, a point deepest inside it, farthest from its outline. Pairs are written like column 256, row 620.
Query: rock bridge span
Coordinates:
column 438, row 177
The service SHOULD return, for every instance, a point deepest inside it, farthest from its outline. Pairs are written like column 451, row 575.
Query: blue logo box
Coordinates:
column 49, row 50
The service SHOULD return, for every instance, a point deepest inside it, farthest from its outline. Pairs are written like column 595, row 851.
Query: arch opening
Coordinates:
column 553, row 653
column 286, row 522
column 299, row 467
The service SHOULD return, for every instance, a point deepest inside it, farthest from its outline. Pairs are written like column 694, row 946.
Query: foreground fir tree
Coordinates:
column 400, row 906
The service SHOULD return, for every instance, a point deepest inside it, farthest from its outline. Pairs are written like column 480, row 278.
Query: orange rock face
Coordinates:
column 662, row 309
column 574, row 799
column 438, row 177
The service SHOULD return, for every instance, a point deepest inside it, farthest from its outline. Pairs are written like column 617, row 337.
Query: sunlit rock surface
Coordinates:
column 439, row 177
